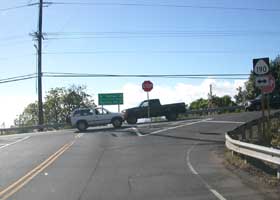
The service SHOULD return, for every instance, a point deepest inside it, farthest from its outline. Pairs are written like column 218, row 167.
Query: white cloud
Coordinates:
column 11, row 106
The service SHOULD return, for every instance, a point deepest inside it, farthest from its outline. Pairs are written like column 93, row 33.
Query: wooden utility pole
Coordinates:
column 210, row 97
column 39, row 39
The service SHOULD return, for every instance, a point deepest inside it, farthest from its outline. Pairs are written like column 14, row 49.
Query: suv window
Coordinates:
column 83, row 112
column 101, row 111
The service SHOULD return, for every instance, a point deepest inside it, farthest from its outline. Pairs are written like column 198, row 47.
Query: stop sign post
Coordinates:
column 147, row 86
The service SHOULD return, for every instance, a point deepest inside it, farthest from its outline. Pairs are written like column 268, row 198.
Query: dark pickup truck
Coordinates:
column 255, row 104
column 170, row 111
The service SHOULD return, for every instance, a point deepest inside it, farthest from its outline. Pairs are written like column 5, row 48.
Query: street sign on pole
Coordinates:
column 262, row 81
column 261, row 66
column 270, row 86
column 147, row 86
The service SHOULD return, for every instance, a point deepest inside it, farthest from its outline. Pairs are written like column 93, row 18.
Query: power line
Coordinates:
column 17, row 78
column 239, row 76
column 147, row 52
column 170, row 76
column 143, row 75
column 166, row 32
column 154, row 34
column 17, row 7
column 166, row 6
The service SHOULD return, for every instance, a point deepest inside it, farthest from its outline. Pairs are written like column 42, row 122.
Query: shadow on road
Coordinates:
column 103, row 129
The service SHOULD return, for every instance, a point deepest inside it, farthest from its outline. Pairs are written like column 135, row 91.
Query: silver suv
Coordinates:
column 83, row 118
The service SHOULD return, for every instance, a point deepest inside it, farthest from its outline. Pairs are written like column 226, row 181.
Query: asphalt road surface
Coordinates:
column 170, row 160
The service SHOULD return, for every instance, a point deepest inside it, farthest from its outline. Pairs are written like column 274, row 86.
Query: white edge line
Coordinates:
column 189, row 163
column 225, row 122
column 137, row 132
column 20, row 140
column 213, row 191
column 171, row 128
column 217, row 194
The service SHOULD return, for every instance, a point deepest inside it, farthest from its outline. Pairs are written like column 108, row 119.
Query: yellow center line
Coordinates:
column 17, row 185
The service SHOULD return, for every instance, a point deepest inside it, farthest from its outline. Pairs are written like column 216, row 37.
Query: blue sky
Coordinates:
column 135, row 55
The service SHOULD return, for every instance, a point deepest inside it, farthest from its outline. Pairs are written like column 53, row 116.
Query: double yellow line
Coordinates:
column 17, row 185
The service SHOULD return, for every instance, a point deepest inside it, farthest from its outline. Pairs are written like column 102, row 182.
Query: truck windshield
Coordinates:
column 144, row 104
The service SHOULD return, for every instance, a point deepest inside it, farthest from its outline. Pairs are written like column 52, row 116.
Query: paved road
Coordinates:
column 169, row 160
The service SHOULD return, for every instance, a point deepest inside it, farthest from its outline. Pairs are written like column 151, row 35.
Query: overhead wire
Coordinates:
column 18, row 7
column 146, row 52
column 164, row 6
column 170, row 76
column 18, row 78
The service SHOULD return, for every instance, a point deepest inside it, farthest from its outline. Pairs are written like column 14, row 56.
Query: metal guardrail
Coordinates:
column 31, row 128
column 215, row 110
column 240, row 145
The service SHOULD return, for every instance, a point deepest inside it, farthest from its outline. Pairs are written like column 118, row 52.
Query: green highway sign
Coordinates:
column 110, row 99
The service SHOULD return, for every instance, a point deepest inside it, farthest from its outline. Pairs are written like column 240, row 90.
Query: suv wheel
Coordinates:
column 117, row 123
column 82, row 126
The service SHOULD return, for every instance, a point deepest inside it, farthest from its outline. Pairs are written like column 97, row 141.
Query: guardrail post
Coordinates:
column 243, row 133
column 251, row 132
column 278, row 172
column 259, row 130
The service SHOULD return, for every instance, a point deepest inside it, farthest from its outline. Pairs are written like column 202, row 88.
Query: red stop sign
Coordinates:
column 147, row 86
column 268, row 89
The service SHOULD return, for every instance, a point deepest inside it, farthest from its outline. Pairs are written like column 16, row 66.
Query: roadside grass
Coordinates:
column 264, row 172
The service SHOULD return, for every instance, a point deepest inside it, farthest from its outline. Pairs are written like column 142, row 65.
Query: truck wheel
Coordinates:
column 117, row 123
column 132, row 120
column 82, row 126
column 171, row 117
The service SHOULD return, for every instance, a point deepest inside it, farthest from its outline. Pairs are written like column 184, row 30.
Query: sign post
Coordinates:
column 266, row 83
column 147, row 86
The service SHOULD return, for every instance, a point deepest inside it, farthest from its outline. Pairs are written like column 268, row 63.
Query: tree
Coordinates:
column 58, row 105
column 199, row 104
column 240, row 96
column 53, row 106
column 223, row 101
column 75, row 97
column 29, row 116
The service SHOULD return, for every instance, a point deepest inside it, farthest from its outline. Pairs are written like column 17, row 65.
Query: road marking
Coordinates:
column 20, row 140
column 175, row 127
column 17, row 185
column 189, row 162
column 213, row 191
column 79, row 135
column 225, row 122
column 136, row 131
